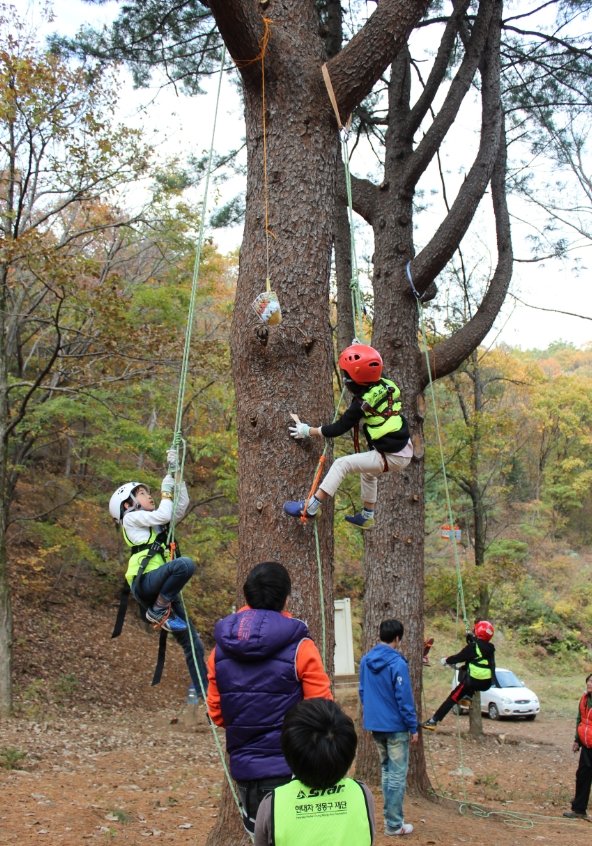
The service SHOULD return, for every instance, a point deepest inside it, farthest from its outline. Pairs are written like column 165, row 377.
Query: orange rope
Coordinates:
column 314, row 486
column 264, row 43
column 260, row 57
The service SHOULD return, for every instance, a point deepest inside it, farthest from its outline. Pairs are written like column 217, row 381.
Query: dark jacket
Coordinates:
column 256, row 676
column 469, row 654
column 392, row 442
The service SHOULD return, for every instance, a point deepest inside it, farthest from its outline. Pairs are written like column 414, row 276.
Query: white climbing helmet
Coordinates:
column 119, row 497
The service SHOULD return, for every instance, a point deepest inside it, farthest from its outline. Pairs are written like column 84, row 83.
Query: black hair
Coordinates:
column 588, row 678
column 319, row 742
column 268, row 586
column 355, row 388
column 390, row 629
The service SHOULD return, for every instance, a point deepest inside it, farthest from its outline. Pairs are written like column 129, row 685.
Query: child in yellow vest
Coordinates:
column 477, row 674
column 376, row 405
column 155, row 581
column 320, row 805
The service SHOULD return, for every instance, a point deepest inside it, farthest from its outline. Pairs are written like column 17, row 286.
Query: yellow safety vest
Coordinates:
column 382, row 405
column 140, row 551
column 332, row 816
column 479, row 667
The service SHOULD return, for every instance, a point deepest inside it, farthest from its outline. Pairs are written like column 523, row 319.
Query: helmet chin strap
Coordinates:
column 134, row 507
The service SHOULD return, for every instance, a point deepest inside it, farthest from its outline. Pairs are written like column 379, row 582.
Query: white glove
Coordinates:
column 300, row 431
column 171, row 457
column 167, row 485
column 444, row 662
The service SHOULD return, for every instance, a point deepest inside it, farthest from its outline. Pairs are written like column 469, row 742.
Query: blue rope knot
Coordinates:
column 418, row 296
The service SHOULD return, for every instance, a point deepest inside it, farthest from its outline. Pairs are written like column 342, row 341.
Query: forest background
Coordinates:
column 96, row 290
column 515, row 424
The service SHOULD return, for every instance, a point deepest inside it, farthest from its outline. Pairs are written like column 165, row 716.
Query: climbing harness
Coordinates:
column 157, row 546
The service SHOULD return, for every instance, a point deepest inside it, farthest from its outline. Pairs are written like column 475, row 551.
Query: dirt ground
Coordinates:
column 116, row 761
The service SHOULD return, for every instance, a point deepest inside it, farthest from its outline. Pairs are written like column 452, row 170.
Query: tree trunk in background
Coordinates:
column 5, row 603
column 395, row 548
column 344, row 329
column 475, row 717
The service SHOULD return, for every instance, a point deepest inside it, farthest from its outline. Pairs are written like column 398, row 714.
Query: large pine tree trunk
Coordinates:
column 278, row 370
column 288, row 368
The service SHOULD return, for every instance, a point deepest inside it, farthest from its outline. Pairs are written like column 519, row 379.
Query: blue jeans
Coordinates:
column 168, row 580
column 393, row 749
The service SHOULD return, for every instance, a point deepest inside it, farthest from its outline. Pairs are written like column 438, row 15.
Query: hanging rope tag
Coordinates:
column 450, row 532
column 267, row 307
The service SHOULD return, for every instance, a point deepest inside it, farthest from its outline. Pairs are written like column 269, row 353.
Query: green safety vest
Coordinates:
column 140, row 551
column 479, row 667
column 331, row 816
column 382, row 405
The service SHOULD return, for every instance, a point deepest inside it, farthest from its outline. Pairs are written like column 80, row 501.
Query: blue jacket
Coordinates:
column 257, row 680
column 385, row 691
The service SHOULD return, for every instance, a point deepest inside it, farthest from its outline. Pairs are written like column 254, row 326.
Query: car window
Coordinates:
column 506, row 678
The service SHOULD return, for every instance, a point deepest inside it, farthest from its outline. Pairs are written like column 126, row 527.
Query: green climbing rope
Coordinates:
column 460, row 589
column 354, row 285
column 179, row 442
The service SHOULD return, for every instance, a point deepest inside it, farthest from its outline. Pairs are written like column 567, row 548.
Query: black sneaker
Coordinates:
column 573, row 815
column 430, row 725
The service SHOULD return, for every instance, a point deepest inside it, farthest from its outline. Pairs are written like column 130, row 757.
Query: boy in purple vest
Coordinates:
column 264, row 662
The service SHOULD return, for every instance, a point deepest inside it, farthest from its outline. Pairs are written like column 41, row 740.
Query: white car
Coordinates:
column 509, row 698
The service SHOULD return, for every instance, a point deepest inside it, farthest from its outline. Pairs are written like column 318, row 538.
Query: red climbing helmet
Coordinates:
column 484, row 630
column 362, row 363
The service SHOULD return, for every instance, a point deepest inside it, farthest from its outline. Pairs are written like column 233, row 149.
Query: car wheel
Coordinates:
column 530, row 717
column 492, row 711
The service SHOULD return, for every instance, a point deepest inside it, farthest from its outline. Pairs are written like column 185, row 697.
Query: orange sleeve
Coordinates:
column 310, row 671
column 213, row 697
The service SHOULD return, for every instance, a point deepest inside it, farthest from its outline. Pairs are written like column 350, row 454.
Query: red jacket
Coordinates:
column 585, row 721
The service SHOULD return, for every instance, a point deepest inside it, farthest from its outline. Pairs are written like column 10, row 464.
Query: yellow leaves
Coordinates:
column 564, row 608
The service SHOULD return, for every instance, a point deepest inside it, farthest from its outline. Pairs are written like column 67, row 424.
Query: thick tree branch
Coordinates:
column 430, row 143
column 364, row 196
column 446, row 356
column 439, row 68
column 441, row 247
column 241, row 26
column 359, row 65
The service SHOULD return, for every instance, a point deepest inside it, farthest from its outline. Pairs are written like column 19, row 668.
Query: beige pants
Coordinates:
column 369, row 465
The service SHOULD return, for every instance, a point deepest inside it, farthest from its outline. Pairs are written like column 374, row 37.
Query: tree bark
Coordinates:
column 395, row 549
column 5, row 603
column 290, row 208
